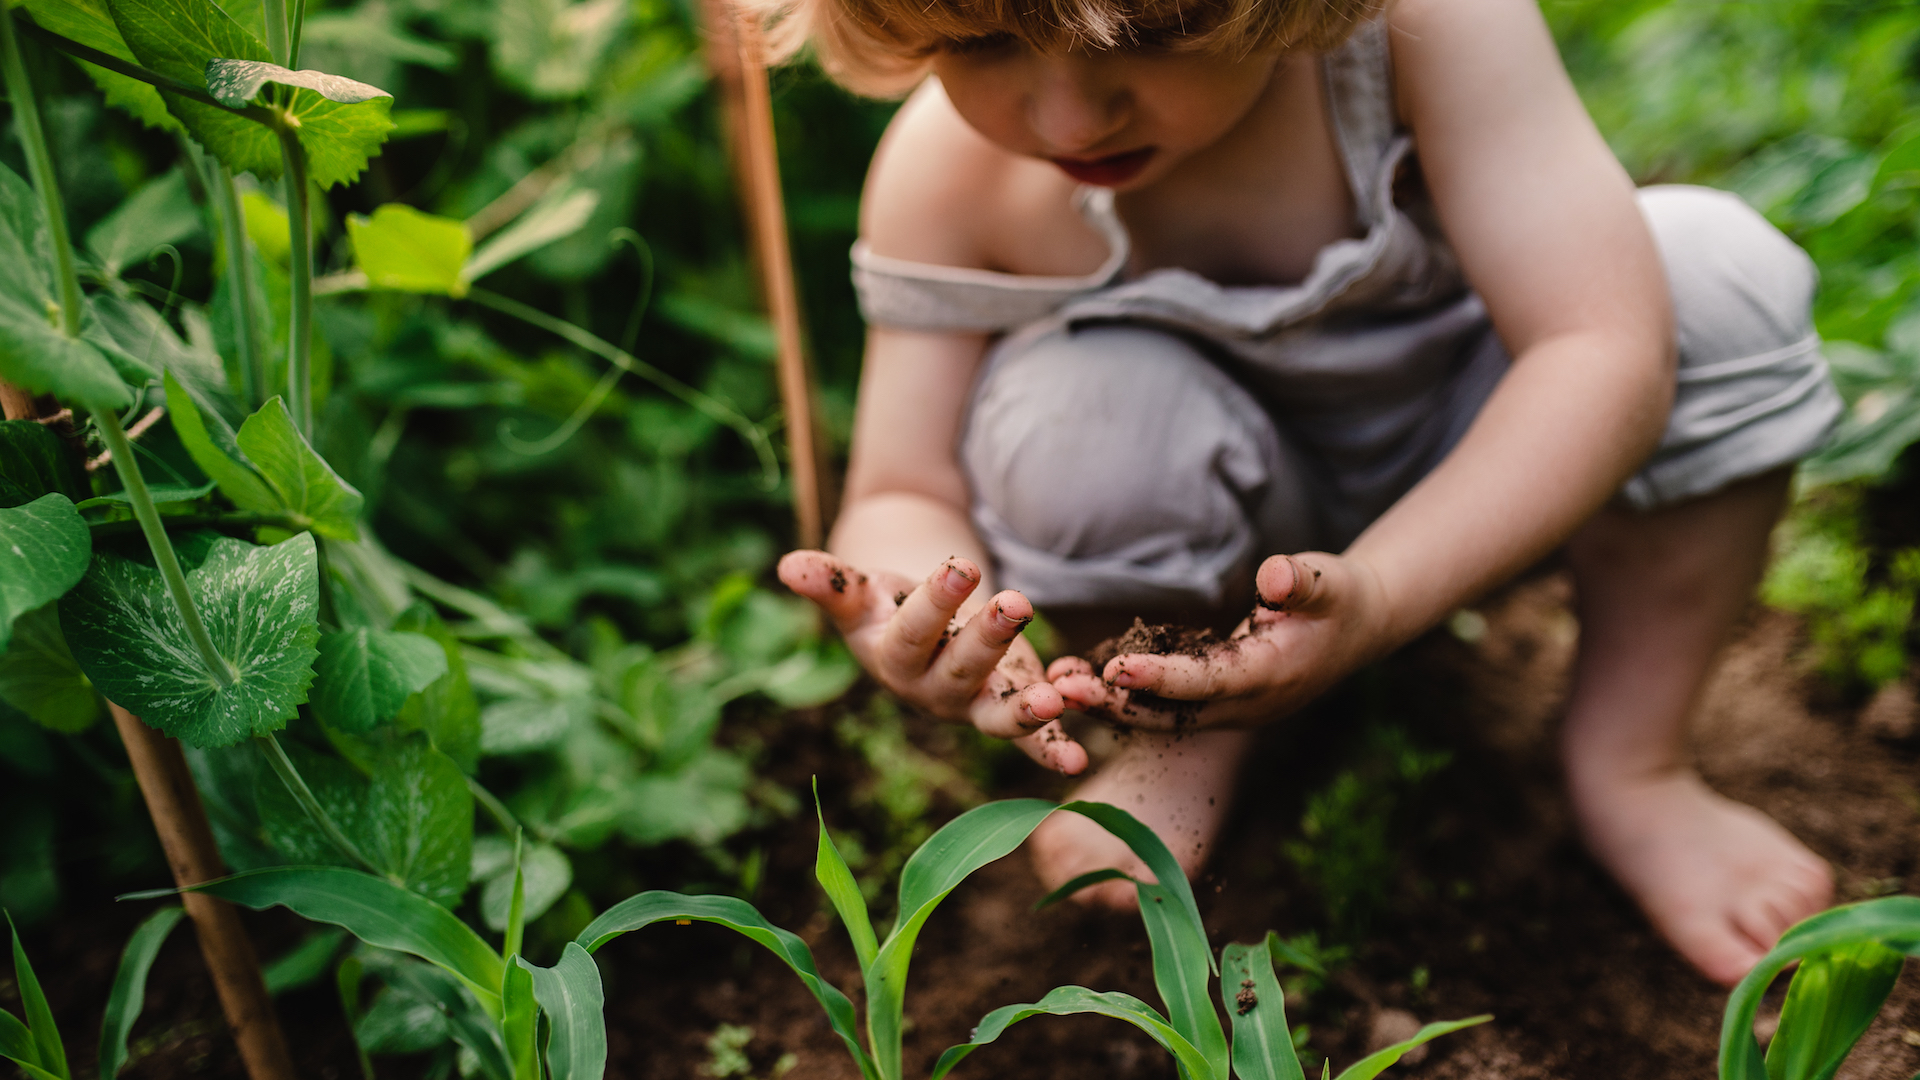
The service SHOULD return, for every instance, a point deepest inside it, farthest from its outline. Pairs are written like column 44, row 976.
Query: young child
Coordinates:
column 1161, row 289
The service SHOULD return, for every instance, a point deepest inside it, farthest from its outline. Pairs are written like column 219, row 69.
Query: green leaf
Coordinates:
column 306, row 485
column 1831, row 1002
column 35, row 353
column 412, row 816
column 364, row 676
column 52, row 1056
column 161, row 212
column 446, row 710
column 159, row 493
column 340, row 123
column 739, row 916
column 34, row 462
column 377, row 912
column 546, row 875
column 44, row 548
column 1070, row 1000
column 834, row 876
column 470, row 1027
column 570, row 993
column 1893, row 921
column 259, row 605
column 236, row 480
column 176, row 38
column 304, row 964
column 89, row 23
column 1375, row 1063
column 1257, row 1008
column 39, row 676
column 1083, row 881
column 519, row 1021
column 130, row 986
column 407, row 250
column 16, row 1042
column 560, row 213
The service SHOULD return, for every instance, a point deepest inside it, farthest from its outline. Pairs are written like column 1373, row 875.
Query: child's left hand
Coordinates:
column 1320, row 617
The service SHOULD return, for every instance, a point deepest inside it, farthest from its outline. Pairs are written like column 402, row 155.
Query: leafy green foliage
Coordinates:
column 545, row 875
column 44, row 548
column 35, row 352
column 39, row 676
column 403, row 249
column 259, row 605
column 304, row 486
column 35, row 1045
column 34, row 463
column 161, row 212
column 364, row 676
column 1849, row 959
column 89, row 23
column 1069, row 1000
column 1858, row 604
column 177, row 38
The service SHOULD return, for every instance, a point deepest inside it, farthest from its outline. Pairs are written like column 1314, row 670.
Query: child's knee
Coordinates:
column 1120, row 443
column 1740, row 287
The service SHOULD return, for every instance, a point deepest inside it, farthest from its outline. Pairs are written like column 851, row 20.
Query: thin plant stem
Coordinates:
column 296, row 785
column 256, row 113
column 300, row 232
column 236, row 519
column 26, row 113
column 293, row 37
column 148, row 515
column 626, row 361
column 276, row 14
column 233, row 236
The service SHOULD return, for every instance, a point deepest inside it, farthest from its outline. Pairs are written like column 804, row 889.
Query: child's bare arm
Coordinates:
column 1545, row 223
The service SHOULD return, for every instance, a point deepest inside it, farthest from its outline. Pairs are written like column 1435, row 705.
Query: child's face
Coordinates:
column 1117, row 118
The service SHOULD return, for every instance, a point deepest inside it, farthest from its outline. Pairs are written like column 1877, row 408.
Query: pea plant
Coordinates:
column 1849, row 960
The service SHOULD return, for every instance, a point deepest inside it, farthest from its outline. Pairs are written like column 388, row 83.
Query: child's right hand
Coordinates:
column 978, row 671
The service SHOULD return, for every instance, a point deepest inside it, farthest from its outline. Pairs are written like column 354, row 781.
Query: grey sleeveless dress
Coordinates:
column 1257, row 420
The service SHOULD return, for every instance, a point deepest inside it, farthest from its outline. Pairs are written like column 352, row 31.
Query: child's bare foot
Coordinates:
column 1179, row 786
column 1718, row 878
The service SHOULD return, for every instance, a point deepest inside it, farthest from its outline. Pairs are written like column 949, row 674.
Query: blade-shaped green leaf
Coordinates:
column 47, row 1047
column 34, row 462
column 834, row 876
column 1083, row 881
column 411, row 251
column 562, row 212
column 307, row 486
column 304, row 964
column 89, row 23
column 161, row 212
column 237, row 481
column 469, row 1025
column 1377, row 1062
column 1069, row 1000
column 1257, row 1008
column 570, row 993
column 130, row 986
column 963, row 845
column 341, row 122
column 44, row 550
column 545, row 876
column 39, row 676
column 1182, row 958
column 176, row 38
column 377, row 912
column 1893, row 921
column 1831, row 1002
column 35, row 353
column 519, row 1021
column 735, row 914
column 16, row 1042
column 161, row 494
column 363, row 676
column 259, row 605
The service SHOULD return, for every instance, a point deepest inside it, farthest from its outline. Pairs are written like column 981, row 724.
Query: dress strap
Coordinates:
column 1359, row 88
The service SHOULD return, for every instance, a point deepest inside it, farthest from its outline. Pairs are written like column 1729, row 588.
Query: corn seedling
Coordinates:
column 1849, row 959
column 35, row 1046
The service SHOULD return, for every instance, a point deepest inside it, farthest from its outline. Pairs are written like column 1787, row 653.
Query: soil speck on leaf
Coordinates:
column 1246, row 999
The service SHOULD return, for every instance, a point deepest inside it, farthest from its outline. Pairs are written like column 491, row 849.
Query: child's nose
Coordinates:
column 1073, row 109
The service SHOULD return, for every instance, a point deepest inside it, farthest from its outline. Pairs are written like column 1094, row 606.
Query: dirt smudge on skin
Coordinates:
column 838, row 582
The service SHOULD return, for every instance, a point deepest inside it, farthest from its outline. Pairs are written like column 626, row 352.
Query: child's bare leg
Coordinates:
column 1658, row 594
column 1178, row 785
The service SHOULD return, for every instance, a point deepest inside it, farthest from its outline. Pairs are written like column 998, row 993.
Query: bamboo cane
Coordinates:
column 181, row 821
column 737, row 58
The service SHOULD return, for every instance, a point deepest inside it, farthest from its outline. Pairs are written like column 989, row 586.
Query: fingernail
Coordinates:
column 1123, row 677
column 957, row 579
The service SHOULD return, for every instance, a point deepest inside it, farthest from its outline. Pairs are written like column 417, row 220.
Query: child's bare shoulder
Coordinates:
column 938, row 192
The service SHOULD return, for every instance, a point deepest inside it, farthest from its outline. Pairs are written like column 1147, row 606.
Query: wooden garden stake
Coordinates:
column 181, row 821
column 738, row 59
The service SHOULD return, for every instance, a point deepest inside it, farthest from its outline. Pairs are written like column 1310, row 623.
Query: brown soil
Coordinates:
column 1496, row 901
column 1163, row 639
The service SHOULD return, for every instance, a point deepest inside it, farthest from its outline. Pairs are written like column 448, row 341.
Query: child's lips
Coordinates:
column 1109, row 171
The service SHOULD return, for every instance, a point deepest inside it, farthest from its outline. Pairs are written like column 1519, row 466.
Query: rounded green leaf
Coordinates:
column 176, row 38
column 39, row 676
column 364, row 676
column 305, row 484
column 44, row 548
column 260, row 607
column 407, row 250
column 34, row 462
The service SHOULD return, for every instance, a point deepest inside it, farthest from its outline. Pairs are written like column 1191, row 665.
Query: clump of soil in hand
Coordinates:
column 1160, row 639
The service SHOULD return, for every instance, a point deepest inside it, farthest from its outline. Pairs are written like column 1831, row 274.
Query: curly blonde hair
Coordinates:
column 883, row 48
